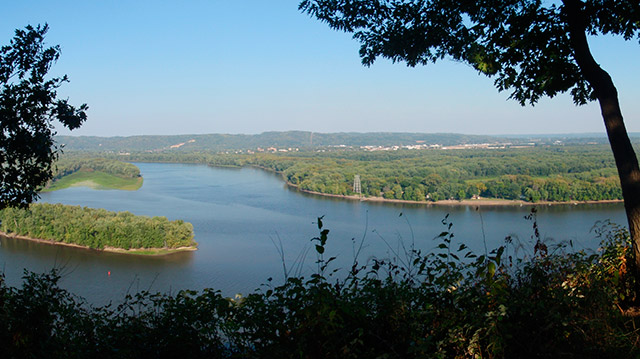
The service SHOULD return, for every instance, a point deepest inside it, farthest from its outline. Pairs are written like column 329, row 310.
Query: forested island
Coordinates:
column 97, row 173
column 97, row 229
column 554, row 174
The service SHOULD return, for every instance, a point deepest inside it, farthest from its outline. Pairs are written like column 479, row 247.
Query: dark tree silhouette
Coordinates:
column 532, row 48
column 28, row 105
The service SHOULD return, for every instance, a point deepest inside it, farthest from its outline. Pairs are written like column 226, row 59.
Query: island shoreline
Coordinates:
column 139, row 252
column 482, row 202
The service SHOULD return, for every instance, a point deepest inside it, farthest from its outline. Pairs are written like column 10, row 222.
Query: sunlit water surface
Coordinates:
column 241, row 217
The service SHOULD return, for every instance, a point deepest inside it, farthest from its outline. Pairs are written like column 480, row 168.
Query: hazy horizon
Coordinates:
column 571, row 134
column 250, row 67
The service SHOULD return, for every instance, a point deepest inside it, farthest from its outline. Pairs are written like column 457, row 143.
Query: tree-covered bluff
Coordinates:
column 299, row 139
column 96, row 228
column 306, row 140
column 546, row 173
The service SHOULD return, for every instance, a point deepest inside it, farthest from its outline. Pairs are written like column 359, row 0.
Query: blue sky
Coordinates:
column 185, row 67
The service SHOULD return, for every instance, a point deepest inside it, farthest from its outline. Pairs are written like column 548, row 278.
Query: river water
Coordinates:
column 242, row 216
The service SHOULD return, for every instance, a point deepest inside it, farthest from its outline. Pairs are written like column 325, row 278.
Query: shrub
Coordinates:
column 451, row 303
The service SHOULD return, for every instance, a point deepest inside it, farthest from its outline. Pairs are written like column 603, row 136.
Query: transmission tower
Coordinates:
column 356, row 184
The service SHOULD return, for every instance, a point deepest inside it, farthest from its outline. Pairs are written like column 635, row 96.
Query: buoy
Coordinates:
column 109, row 273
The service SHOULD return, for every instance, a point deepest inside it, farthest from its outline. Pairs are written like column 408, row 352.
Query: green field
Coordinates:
column 95, row 180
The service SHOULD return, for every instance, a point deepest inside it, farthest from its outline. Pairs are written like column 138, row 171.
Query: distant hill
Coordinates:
column 302, row 140
column 297, row 139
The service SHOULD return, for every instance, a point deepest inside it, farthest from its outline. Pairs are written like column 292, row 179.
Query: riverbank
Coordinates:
column 480, row 202
column 136, row 251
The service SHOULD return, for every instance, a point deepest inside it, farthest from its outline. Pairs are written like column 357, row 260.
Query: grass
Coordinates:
column 95, row 180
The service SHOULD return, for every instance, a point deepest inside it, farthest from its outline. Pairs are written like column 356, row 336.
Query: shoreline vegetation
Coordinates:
column 481, row 202
column 95, row 173
column 139, row 251
column 448, row 303
column 97, row 229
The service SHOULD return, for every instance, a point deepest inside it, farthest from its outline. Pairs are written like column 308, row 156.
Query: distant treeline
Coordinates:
column 305, row 140
column 298, row 139
column 548, row 173
column 96, row 228
column 67, row 165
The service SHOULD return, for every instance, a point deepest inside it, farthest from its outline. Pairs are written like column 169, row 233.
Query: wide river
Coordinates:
column 242, row 216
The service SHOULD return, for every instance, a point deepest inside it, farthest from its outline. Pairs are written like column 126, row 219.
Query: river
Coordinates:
column 242, row 216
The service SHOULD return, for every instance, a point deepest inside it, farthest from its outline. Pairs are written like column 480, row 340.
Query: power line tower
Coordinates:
column 356, row 185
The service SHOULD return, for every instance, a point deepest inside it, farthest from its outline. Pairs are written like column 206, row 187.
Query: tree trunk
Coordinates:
column 607, row 95
column 627, row 164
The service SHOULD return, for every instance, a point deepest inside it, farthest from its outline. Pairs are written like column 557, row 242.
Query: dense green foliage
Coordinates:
column 544, row 302
column 95, row 228
column 531, row 48
column 28, row 106
column 549, row 173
